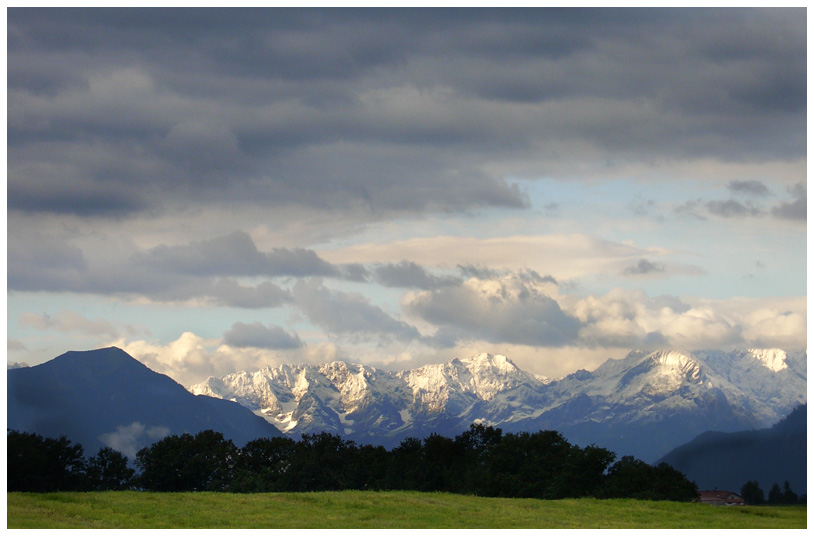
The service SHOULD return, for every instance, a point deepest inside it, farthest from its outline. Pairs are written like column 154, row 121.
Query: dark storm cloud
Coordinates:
column 256, row 335
column 116, row 111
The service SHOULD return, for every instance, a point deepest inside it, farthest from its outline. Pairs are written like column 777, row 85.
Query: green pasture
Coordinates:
column 375, row 510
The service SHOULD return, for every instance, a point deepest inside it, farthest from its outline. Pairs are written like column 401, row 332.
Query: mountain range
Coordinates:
column 106, row 397
column 644, row 404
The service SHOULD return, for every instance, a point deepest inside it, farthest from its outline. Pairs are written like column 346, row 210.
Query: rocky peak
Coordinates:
column 773, row 358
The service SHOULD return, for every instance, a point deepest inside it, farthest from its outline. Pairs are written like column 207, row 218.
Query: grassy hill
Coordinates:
column 374, row 510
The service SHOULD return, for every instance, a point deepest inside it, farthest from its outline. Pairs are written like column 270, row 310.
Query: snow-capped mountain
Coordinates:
column 644, row 404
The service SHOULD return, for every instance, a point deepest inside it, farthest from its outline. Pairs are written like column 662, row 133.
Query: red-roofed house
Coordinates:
column 721, row 497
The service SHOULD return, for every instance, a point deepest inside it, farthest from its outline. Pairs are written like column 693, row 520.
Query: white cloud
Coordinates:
column 191, row 359
column 625, row 318
column 131, row 438
column 509, row 309
column 565, row 256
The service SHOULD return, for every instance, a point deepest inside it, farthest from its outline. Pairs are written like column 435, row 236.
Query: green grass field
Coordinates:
column 374, row 510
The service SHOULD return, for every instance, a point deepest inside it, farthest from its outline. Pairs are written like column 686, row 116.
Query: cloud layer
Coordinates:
column 359, row 109
column 398, row 185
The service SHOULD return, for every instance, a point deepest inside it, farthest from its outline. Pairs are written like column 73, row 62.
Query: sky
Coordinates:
column 222, row 190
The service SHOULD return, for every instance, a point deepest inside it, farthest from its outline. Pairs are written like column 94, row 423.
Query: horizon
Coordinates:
column 468, row 358
column 218, row 190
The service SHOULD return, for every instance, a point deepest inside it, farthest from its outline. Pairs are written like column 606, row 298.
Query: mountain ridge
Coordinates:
column 668, row 395
column 105, row 397
column 730, row 459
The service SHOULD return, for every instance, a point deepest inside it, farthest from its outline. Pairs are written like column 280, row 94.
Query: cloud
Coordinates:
column 748, row 187
column 136, row 150
column 497, row 310
column 632, row 319
column 796, row 209
column 348, row 314
column 564, row 255
column 70, row 322
column 643, row 267
column 208, row 272
column 407, row 274
column 13, row 345
column 359, row 110
column 191, row 359
column 256, row 335
column 131, row 438
column 40, row 261
column 732, row 208
column 233, row 255
column 509, row 310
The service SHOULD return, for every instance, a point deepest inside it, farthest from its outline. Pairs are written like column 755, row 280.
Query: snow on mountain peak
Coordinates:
column 773, row 358
column 659, row 373
column 482, row 375
column 703, row 387
column 676, row 363
column 497, row 363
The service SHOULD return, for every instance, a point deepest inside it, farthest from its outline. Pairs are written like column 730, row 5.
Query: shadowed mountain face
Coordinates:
column 105, row 397
column 728, row 460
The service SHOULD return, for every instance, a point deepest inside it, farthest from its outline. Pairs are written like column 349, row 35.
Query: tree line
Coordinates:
column 753, row 494
column 481, row 461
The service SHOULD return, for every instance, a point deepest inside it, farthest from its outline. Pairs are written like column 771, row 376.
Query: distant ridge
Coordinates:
column 729, row 460
column 106, row 397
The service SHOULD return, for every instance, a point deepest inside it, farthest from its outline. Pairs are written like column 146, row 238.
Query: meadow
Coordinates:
column 375, row 510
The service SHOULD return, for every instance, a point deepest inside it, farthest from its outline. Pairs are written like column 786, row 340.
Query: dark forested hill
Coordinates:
column 106, row 397
column 729, row 460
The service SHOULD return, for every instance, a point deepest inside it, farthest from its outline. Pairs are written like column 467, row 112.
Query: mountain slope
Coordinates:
column 105, row 397
column 644, row 404
column 729, row 460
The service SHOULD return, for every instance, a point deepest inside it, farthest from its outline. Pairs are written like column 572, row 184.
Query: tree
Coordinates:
column 322, row 462
column 264, row 465
column 584, row 471
column 438, row 455
column 545, row 467
column 628, row 478
column 670, row 484
column 635, row 479
column 370, row 468
column 204, row 462
column 404, row 470
column 108, row 470
column 475, row 448
column 775, row 494
column 37, row 463
column 752, row 493
column 789, row 497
